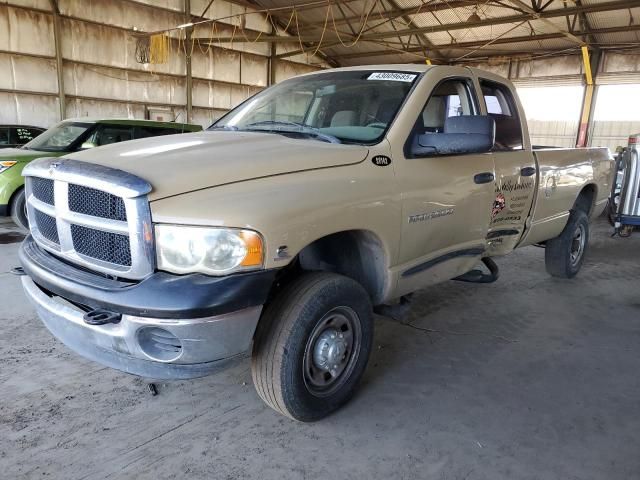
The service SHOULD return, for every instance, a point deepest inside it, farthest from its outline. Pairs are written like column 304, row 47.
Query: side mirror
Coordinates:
column 87, row 145
column 463, row 134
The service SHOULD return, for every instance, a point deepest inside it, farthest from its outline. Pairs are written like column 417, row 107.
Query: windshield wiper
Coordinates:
column 302, row 128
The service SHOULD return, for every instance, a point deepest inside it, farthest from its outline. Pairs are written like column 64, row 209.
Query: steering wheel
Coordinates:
column 377, row 125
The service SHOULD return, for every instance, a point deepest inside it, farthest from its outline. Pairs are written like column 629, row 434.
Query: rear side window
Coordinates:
column 4, row 136
column 108, row 134
column 502, row 108
column 23, row 135
column 145, row 132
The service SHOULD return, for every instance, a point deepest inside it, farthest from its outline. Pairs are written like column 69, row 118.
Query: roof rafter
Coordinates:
column 545, row 14
column 500, row 41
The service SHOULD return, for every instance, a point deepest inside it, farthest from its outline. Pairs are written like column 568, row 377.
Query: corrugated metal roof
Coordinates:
column 475, row 28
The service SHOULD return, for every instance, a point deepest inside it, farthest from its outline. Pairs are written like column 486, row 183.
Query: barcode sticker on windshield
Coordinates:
column 394, row 76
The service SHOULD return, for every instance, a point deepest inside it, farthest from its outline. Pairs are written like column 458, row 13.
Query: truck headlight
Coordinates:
column 5, row 165
column 209, row 250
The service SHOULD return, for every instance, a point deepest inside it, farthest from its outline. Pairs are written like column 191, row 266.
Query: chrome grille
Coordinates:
column 105, row 246
column 43, row 189
column 91, row 215
column 96, row 202
column 47, row 227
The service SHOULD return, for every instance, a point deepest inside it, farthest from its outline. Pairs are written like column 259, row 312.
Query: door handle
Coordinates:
column 485, row 177
column 527, row 171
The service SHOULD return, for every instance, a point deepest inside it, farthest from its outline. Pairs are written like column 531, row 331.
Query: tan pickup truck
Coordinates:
column 278, row 229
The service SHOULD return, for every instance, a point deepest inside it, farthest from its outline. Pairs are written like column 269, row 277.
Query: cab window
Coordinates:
column 502, row 108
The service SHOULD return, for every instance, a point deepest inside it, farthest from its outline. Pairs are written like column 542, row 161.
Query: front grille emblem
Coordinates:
column 53, row 166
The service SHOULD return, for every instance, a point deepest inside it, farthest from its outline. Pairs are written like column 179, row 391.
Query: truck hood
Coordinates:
column 177, row 164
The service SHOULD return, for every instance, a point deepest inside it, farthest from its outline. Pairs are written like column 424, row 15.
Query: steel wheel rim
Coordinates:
column 577, row 244
column 332, row 351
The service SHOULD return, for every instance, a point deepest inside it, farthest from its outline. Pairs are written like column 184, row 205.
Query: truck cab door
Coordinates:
column 446, row 199
column 515, row 165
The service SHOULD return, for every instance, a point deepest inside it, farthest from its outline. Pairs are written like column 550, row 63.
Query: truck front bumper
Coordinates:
column 166, row 346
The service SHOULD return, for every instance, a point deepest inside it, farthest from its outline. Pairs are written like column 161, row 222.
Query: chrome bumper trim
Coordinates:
column 208, row 344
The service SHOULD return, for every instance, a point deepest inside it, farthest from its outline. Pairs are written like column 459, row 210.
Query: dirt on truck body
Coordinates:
column 279, row 229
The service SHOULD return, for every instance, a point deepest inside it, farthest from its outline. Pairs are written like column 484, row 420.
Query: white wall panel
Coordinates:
column 286, row 69
column 26, row 31
column 39, row 110
column 206, row 116
column 177, row 5
column 103, row 45
column 39, row 4
column 550, row 67
column 28, row 73
column 79, row 107
column 254, row 70
column 101, row 82
column 121, row 14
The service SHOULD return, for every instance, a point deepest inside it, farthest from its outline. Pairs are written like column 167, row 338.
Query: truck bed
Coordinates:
column 563, row 173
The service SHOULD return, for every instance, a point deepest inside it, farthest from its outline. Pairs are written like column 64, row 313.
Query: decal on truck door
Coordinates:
column 511, row 202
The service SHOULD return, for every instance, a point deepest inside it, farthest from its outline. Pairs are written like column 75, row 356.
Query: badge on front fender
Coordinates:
column 381, row 160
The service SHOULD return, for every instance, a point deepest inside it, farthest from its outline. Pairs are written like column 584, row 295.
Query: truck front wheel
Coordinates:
column 312, row 346
column 564, row 254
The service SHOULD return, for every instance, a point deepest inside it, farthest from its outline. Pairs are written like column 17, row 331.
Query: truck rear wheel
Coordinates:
column 19, row 211
column 564, row 254
column 312, row 346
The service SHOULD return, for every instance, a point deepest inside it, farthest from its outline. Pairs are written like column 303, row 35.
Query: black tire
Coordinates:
column 19, row 211
column 611, row 212
column 564, row 254
column 301, row 320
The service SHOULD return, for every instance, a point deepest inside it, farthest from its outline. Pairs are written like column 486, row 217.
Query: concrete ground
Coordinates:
column 527, row 378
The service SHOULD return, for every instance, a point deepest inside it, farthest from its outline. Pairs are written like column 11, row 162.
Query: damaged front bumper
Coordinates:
column 156, row 335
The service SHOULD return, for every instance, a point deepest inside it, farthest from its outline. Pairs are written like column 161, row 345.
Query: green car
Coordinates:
column 66, row 137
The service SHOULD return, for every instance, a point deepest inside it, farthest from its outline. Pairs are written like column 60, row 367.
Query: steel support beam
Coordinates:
column 188, row 43
column 591, row 69
column 271, row 65
column 500, row 41
column 59, row 65
column 394, row 13
column 545, row 14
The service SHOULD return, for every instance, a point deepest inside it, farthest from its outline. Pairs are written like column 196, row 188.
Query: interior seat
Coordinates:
column 343, row 118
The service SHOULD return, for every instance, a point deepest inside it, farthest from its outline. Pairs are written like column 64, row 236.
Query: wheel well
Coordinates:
column 586, row 199
column 14, row 195
column 357, row 254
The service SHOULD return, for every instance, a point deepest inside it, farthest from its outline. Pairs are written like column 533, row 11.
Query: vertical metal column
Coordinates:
column 271, row 74
column 588, row 102
column 59, row 64
column 188, row 50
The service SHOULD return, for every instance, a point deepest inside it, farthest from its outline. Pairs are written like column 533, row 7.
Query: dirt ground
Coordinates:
column 527, row 378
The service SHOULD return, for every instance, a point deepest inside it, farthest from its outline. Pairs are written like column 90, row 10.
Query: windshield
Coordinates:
column 59, row 138
column 349, row 107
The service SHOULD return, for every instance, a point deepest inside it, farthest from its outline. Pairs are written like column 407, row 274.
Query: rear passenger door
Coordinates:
column 515, row 167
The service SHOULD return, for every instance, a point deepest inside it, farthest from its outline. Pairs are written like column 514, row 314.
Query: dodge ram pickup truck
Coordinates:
column 279, row 229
